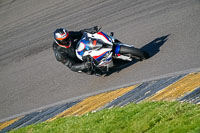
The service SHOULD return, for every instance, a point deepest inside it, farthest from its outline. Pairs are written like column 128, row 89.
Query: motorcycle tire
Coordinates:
column 135, row 52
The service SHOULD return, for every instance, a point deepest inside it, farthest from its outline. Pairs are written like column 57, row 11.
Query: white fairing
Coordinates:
column 81, row 47
column 102, row 36
column 101, row 55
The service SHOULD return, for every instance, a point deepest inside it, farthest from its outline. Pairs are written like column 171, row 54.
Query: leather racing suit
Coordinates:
column 67, row 56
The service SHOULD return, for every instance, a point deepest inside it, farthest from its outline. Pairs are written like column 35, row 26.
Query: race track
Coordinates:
column 31, row 78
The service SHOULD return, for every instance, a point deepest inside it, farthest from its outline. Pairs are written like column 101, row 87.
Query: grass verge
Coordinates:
column 147, row 117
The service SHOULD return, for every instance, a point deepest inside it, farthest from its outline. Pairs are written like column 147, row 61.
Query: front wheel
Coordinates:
column 135, row 52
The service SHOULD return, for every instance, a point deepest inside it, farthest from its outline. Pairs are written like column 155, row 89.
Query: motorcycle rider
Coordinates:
column 64, row 47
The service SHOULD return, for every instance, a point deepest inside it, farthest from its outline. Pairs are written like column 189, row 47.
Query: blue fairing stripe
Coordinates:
column 106, row 36
column 101, row 56
column 81, row 52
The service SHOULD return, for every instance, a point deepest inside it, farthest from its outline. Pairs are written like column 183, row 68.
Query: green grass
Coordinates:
column 150, row 117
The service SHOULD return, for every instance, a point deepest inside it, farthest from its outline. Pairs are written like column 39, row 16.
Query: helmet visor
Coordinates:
column 64, row 43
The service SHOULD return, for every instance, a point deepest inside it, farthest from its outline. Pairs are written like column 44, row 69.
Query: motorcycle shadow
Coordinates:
column 152, row 48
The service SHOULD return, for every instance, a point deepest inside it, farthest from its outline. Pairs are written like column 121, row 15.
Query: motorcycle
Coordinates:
column 101, row 49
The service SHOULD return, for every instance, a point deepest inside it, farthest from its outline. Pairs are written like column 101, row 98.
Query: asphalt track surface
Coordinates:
column 31, row 78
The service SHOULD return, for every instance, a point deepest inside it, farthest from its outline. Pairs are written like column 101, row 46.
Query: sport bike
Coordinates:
column 101, row 49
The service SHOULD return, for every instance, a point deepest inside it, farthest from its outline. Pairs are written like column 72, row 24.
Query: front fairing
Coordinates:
column 102, row 55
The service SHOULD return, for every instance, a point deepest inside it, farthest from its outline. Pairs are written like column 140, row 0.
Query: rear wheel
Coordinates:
column 135, row 52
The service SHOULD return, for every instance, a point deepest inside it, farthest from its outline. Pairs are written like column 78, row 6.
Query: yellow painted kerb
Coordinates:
column 178, row 89
column 94, row 102
column 7, row 123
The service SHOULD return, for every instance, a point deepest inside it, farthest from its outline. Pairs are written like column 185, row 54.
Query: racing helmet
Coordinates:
column 61, row 37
